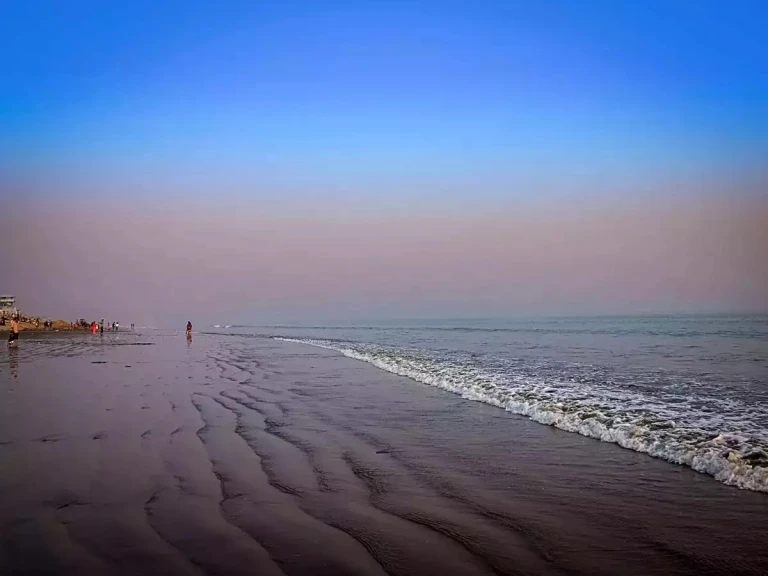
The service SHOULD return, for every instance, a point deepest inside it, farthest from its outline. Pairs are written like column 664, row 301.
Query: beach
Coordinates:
column 29, row 326
column 233, row 454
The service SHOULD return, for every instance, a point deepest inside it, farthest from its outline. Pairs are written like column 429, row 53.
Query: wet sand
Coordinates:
column 233, row 455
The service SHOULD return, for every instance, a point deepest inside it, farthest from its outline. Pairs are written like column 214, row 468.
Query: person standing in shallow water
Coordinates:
column 13, row 337
column 189, row 328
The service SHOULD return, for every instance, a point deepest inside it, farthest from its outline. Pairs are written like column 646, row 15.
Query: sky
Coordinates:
column 337, row 160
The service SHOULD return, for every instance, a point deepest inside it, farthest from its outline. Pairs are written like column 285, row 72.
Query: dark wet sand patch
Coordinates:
column 334, row 468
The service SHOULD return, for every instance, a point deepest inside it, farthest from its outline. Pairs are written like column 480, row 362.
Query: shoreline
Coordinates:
column 58, row 326
column 748, row 473
column 36, row 330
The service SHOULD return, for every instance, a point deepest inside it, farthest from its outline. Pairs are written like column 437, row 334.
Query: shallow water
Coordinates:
column 691, row 390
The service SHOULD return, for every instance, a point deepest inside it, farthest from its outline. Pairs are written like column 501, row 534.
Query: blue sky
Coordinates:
column 383, row 99
column 290, row 159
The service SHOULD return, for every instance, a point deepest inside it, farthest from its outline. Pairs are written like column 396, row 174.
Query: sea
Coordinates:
column 691, row 390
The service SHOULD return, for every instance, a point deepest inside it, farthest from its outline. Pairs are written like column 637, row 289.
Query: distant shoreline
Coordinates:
column 58, row 326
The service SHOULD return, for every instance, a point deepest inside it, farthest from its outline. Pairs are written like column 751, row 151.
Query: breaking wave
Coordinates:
column 721, row 437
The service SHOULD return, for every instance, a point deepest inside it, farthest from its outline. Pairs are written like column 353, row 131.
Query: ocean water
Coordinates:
column 692, row 390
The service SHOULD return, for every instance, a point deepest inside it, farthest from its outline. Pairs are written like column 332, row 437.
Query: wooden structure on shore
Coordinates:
column 8, row 305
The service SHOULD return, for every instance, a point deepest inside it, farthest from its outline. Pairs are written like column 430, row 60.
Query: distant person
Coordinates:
column 101, row 326
column 117, row 325
column 189, row 328
column 13, row 337
column 132, row 326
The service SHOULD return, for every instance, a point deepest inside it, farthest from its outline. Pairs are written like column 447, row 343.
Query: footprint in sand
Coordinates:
column 49, row 438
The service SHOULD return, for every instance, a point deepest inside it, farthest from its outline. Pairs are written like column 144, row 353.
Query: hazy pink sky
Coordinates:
column 157, row 267
column 332, row 161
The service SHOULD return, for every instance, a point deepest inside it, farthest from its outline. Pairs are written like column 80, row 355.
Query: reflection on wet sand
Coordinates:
column 13, row 361
column 244, row 456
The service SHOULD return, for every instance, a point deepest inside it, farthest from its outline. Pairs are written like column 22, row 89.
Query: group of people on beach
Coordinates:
column 99, row 326
column 20, row 318
column 94, row 327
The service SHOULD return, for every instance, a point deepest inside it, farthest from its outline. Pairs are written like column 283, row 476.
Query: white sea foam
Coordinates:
column 724, row 443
